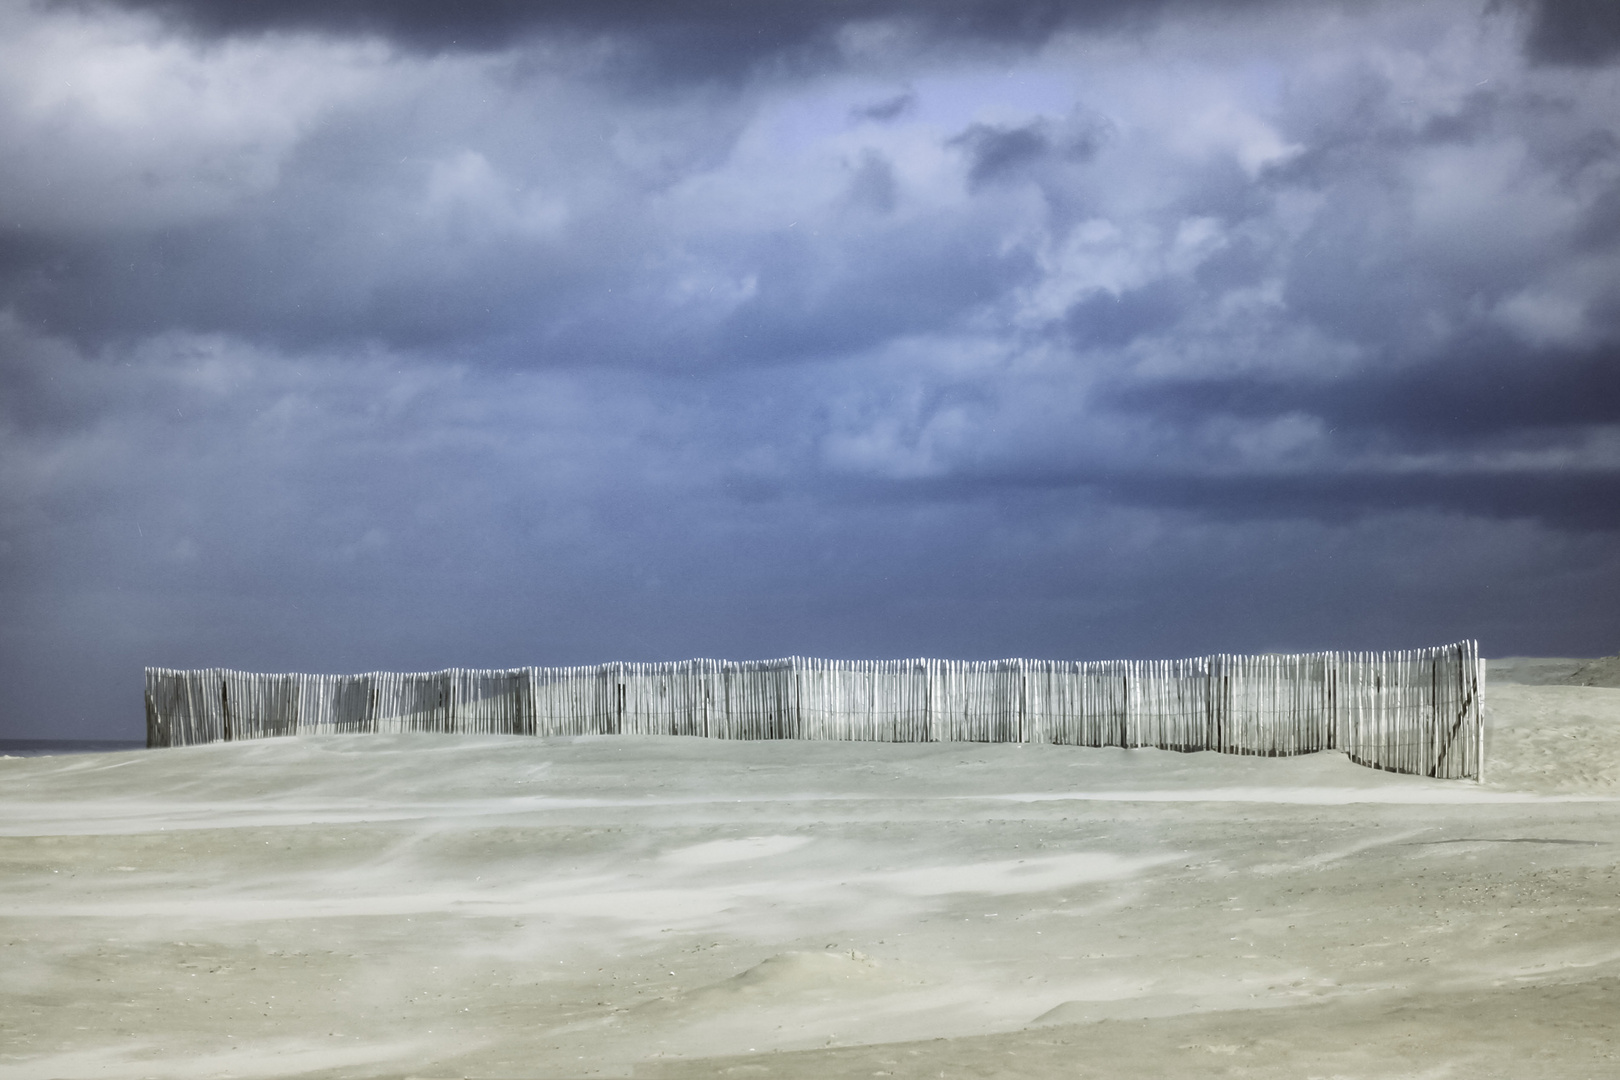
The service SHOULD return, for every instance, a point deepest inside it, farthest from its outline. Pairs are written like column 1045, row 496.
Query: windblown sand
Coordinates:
column 505, row 907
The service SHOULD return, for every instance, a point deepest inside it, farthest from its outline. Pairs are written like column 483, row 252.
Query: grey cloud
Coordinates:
column 1599, row 228
column 1574, row 31
column 1104, row 319
column 998, row 151
column 688, row 34
column 921, row 276
column 1587, row 500
column 1485, row 389
column 1240, row 263
column 873, row 184
column 1040, row 150
column 888, row 109
column 1581, row 500
column 560, row 333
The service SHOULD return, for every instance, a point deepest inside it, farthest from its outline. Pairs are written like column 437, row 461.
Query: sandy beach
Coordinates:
column 450, row 906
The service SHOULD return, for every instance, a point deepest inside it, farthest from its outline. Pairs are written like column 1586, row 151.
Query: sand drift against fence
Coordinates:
column 1415, row 711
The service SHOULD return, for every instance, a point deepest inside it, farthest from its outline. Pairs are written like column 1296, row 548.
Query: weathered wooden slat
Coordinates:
column 1417, row 711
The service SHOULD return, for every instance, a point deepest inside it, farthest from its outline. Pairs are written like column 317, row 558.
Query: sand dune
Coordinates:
column 500, row 907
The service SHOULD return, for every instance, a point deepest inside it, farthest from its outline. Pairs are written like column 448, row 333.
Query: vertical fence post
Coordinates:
column 1416, row 711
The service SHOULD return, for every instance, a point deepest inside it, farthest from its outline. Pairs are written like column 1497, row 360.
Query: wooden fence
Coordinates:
column 1411, row 712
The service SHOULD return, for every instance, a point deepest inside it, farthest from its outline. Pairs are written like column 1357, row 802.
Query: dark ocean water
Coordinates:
column 48, row 747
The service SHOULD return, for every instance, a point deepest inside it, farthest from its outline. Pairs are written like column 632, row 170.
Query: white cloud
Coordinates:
column 494, row 348
column 108, row 122
column 1544, row 319
column 464, row 189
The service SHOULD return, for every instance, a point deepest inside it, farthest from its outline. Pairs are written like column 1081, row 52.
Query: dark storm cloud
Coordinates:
column 686, row 37
column 358, row 335
column 998, row 151
column 1486, row 392
column 1575, row 31
column 1558, row 498
column 692, row 36
column 887, row 109
column 1579, row 500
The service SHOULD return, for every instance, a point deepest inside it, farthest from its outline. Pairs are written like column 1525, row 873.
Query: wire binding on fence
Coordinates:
column 1412, row 712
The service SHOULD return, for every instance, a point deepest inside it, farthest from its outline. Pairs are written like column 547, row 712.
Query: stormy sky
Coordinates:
column 342, row 335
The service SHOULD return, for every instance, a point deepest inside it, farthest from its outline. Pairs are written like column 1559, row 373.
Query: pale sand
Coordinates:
column 500, row 907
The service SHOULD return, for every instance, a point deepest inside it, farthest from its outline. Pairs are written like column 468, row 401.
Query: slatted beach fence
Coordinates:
column 1413, row 712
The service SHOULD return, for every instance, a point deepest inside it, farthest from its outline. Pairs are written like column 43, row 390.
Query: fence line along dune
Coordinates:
column 1415, row 711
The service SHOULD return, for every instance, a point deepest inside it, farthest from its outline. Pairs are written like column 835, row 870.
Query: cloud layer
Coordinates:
column 350, row 336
